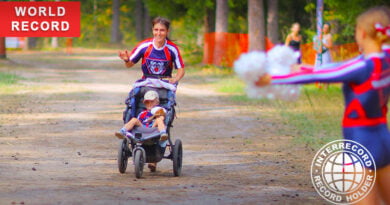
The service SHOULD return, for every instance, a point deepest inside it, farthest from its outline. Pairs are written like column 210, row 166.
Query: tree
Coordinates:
column 139, row 16
column 256, row 27
column 147, row 23
column 221, row 26
column 272, row 21
column 115, row 32
column 221, row 23
column 54, row 40
column 2, row 48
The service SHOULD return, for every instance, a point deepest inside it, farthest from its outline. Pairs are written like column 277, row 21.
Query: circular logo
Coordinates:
column 343, row 171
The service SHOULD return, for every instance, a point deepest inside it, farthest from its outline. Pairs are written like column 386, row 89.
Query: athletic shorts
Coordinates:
column 375, row 138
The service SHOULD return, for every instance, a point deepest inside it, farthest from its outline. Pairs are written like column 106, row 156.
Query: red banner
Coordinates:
column 40, row 19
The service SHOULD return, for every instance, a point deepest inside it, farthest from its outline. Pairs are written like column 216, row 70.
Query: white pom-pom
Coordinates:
column 251, row 66
column 279, row 59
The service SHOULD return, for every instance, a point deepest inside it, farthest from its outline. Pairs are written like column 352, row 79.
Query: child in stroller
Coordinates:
column 145, row 136
column 152, row 116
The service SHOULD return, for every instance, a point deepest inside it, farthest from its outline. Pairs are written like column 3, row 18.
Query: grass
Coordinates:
column 313, row 120
column 8, row 78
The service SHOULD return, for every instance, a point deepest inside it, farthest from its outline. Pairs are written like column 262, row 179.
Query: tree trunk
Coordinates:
column 221, row 26
column 54, row 40
column 210, row 20
column 147, row 23
column 115, row 32
column 25, row 47
column 272, row 20
column 221, row 23
column 2, row 48
column 139, row 17
column 29, row 41
column 256, row 25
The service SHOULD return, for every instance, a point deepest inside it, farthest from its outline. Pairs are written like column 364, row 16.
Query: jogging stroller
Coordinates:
column 143, row 143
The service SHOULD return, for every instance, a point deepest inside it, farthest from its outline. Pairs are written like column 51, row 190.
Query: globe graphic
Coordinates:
column 343, row 172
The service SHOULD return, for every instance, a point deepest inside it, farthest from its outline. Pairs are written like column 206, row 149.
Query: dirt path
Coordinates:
column 57, row 144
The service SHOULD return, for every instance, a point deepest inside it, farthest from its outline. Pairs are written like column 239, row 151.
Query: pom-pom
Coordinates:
column 279, row 59
column 251, row 66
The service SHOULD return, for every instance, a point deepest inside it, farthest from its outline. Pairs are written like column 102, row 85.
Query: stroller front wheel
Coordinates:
column 177, row 158
column 123, row 156
column 139, row 162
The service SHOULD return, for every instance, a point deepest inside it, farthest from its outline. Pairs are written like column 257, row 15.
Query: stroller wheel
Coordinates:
column 139, row 162
column 177, row 157
column 123, row 156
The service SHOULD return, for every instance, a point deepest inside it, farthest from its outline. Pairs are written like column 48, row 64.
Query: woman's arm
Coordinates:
column 179, row 75
column 124, row 55
column 329, row 42
column 349, row 71
column 288, row 39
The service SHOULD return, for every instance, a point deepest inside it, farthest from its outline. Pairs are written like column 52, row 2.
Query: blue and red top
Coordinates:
column 366, row 86
column 144, row 116
column 157, row 62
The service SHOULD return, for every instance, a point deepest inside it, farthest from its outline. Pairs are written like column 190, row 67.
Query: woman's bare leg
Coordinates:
column 384, row 183
column 372, row 198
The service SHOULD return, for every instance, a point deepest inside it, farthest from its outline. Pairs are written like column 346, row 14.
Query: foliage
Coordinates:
column 301, row 11
column 188, row 20
column 345, row 12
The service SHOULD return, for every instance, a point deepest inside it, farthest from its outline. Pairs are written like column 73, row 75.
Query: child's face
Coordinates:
column 149, row 104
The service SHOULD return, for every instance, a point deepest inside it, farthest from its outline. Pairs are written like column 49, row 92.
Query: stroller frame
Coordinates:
column 143, row 143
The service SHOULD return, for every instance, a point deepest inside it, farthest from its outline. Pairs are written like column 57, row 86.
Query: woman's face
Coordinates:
column 160, row 32
column 295, row 28
column 325, row 28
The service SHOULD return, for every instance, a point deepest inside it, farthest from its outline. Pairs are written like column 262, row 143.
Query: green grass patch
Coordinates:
column 231, row 85
column 313, row 120
column 209, row 71
column 8, row 78
column 70, row 81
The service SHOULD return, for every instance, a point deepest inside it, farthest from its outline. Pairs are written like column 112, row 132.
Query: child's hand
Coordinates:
column 263, row 80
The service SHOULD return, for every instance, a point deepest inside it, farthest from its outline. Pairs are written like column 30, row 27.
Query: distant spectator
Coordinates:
column 322, row 45
column 294, row 39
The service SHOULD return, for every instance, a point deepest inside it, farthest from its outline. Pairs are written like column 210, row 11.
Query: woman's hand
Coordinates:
column 124, row 55
column 172, row 80
column 263, row 80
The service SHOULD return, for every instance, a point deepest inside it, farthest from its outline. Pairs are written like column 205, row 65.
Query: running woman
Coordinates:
column 366, row 88
column 158, row 54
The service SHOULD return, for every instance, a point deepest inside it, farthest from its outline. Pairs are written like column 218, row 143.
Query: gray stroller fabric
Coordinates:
column 146, row 131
